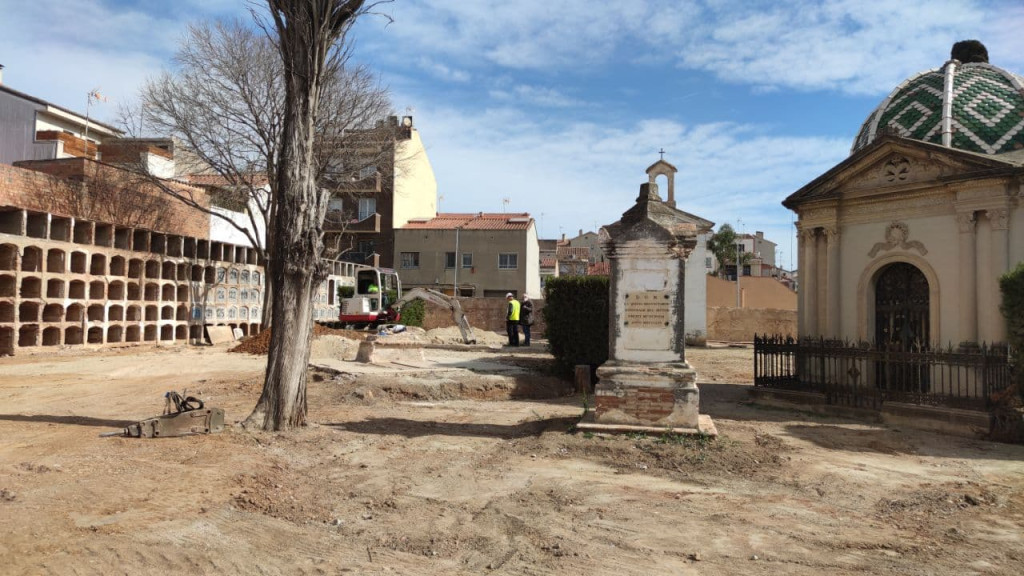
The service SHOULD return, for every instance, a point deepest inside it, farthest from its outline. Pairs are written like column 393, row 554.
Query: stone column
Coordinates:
column 984, row 283
column 968, row 303
column 831, row 235
column 999, row 220
column 809, row 281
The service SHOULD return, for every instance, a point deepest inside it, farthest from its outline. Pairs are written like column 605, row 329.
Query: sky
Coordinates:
column 557, row 107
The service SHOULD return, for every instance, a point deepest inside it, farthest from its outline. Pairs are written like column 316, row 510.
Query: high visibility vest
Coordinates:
column 513, row 310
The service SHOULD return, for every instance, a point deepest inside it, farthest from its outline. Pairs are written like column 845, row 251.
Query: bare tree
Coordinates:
column 225, row 105
column 107, row 194
column 309, row 33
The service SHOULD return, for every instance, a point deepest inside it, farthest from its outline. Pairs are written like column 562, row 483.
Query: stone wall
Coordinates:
column 483, row 314
column 740, row 325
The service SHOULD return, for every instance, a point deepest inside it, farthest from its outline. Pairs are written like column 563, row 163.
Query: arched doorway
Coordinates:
column 901, row 308
column 902, row 327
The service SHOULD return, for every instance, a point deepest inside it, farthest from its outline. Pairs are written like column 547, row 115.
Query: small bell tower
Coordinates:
column 661, row 167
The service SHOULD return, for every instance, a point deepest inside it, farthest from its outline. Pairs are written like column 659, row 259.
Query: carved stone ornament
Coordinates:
column 966, row 222
column 999, row 218
column 896, row 236
column 896, row 169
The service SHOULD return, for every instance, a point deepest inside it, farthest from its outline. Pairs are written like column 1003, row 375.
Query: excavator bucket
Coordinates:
column 202, row 421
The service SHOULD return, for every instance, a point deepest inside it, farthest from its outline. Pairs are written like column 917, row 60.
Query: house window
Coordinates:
column 367, row 207
column 366, row 247
column 367, row 171
column 467, row 259
column 410, row 259
column 449, row 259
column 335, row 204
column 707, row 262
column 508, row 261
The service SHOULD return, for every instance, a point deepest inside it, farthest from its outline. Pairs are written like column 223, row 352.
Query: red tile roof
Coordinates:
column 478, row 221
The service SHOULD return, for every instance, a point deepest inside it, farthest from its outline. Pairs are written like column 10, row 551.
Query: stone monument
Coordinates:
column 646, row 384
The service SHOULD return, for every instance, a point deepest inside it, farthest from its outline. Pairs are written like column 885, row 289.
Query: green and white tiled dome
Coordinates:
column 981, row 110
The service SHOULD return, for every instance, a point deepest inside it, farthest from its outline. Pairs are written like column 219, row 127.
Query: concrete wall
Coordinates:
column 695, row 321
column 740, row 325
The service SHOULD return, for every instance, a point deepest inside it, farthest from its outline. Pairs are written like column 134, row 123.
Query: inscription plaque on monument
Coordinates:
column 648, row 309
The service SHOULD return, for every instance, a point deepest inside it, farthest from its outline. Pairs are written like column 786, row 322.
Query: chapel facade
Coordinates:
column 903, row 243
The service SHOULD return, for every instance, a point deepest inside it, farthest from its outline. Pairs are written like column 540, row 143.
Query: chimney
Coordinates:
column 1, row 73
column 581, row 232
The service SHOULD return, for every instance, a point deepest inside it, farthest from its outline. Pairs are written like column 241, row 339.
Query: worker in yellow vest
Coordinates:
column 512, row 320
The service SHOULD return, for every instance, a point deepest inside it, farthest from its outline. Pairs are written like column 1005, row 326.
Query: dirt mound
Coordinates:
column 260, row 343
column 452, row 335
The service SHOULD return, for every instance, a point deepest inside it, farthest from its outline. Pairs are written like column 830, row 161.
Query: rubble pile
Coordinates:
column 260, row 343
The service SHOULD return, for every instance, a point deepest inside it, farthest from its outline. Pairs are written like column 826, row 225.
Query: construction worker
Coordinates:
column 526, row 317
column 512, row 320
column 373, row 290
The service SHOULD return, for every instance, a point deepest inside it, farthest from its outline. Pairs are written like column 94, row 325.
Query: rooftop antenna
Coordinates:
column 93, row 94
column 504, row 203
column 439, row 198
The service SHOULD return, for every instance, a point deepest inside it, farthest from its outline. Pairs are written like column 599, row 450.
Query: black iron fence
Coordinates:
column 863, row 375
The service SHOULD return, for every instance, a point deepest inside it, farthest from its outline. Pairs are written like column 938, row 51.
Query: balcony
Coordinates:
column 335, row 223
column 73, row 145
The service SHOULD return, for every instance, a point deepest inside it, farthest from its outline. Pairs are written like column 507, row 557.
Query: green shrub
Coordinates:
column 413, row 313
column 346, row 292
column 576, row 316
column 1012, row 286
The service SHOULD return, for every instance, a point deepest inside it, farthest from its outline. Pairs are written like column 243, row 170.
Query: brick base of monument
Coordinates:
column 654, row 396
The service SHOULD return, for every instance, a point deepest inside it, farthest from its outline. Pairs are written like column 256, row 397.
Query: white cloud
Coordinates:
column 535, row 95
column 583, row 175
column 851, row 46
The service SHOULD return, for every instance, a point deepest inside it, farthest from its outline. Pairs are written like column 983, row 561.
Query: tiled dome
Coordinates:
column 984, row 105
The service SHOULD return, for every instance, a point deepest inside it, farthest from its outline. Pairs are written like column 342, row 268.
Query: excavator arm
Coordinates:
column 442, row 300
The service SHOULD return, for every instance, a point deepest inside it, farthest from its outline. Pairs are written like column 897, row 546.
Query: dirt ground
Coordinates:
column 450, row 464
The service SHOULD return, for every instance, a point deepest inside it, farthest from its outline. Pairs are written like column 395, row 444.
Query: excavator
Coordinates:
column 442, row 300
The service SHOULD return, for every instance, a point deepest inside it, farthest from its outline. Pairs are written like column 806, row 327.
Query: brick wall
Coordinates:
column 52, row 186
column 483, row 314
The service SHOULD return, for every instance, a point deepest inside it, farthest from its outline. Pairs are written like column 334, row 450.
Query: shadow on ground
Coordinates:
column 72, row 420
column 417, row 428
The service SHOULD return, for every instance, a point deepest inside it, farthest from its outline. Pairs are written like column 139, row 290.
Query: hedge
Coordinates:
column 1011, row 285
column 576, row 315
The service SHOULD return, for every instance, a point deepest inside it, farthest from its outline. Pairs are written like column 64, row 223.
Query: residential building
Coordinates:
column 589, row 240
column 389, row 182
column 573, row 260
column 762, row 260
column 483, row 255
column 34, row 129
column 548, row 249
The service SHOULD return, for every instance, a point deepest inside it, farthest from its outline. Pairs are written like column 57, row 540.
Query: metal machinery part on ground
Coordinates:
column 441, row 300
column 189, row 416
column 369, row 304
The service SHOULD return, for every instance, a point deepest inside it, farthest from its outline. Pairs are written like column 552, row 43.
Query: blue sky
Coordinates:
column 559, row 106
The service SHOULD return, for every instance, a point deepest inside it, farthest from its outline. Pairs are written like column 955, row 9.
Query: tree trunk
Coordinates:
column 306, row 31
